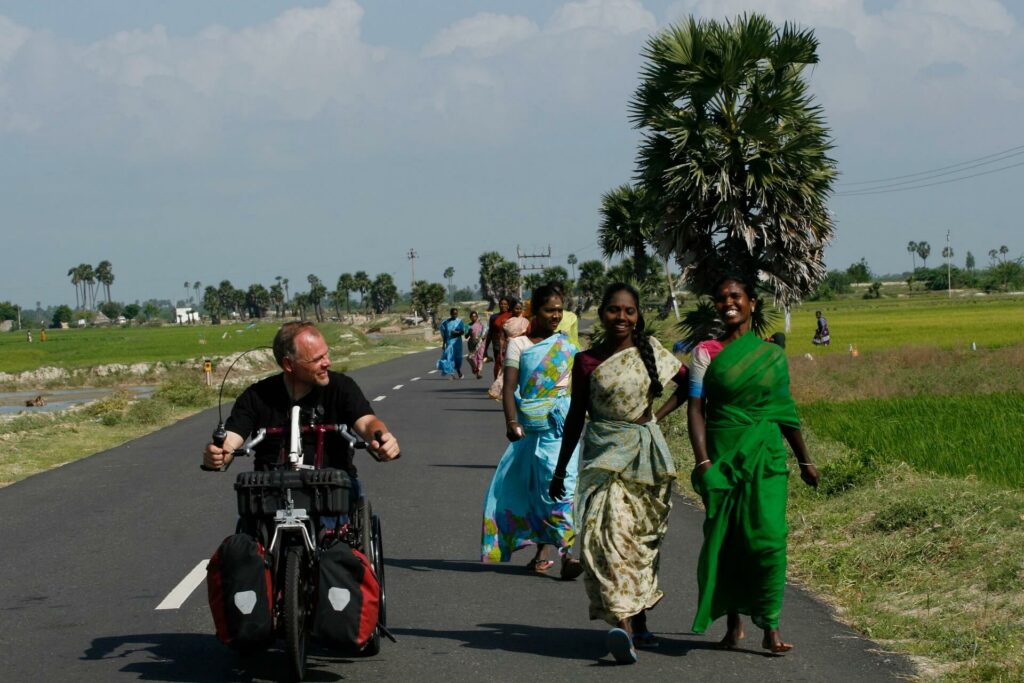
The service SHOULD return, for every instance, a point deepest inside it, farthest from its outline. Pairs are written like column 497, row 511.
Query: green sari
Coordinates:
column 742, row 566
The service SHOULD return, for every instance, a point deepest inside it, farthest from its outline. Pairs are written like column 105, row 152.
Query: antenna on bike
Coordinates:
column 219, row 434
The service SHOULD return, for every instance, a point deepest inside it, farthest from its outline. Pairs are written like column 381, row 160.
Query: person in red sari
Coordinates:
column 495, row 339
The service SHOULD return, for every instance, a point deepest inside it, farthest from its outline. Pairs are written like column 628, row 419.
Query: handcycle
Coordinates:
column 298, row 512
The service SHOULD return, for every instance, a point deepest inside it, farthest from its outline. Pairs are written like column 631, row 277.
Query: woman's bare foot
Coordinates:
column 773, row 642
column 734, row 633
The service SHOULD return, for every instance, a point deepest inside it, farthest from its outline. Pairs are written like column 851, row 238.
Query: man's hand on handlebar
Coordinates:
column 384, row 445
column 218, row 457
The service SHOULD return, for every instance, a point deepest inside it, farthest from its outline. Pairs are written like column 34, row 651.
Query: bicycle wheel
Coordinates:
column 295, row 611
column 372, row 646
column 377, row 542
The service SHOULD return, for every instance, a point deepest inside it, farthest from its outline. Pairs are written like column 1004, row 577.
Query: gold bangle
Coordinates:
column 701, row 463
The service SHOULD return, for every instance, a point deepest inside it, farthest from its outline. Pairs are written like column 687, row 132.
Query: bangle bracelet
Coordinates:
column 806, row 464
column 701, row 463
column 556, row 475
column 511, row 422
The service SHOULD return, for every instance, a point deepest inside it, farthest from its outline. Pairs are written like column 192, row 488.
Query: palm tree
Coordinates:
column 912, row 248
column 317, row 292
column 1003, row 251
column 346, row 284
column 284, row 283
column 572, row 261
column 734, row 153
column 196, row 286
column 626, row 225
column 188, row 286
column 105, row 276
column 89, row 285
column 449, row 273
column 75, row 280
column 923, row 250
column 361, row 283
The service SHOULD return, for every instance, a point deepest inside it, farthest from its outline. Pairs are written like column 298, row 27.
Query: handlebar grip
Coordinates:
column 219, row 435
column 377, row 436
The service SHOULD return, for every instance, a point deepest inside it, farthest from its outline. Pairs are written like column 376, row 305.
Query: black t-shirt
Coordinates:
column 267, row 404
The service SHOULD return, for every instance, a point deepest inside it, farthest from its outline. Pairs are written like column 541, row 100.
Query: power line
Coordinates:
column 970, row 163
column 884, row 190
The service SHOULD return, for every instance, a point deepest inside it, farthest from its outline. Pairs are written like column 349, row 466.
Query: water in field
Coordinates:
column 12, row 402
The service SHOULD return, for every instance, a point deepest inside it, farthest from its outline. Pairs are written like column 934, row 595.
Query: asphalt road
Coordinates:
column 92, row 549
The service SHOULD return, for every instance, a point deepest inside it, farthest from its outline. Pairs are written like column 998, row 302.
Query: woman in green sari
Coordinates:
column 739, row 411
column 624, row 490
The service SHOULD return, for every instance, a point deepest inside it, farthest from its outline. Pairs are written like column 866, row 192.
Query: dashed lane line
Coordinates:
column 177, row 597
column 397, row 387
column 380, row 398
column 432, row 372
column 415, row 379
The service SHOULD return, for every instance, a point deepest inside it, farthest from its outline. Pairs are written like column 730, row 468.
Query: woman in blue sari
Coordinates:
column 518, row 510
column 452, row 331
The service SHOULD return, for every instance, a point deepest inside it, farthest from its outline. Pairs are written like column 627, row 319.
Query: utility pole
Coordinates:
column 524, row 264
column 949, row 277
column 412, row 256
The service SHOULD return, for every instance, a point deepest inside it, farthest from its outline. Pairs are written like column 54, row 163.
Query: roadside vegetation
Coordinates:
column 33, row 443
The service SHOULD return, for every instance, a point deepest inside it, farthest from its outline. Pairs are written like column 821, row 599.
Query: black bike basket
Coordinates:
column 318, row 492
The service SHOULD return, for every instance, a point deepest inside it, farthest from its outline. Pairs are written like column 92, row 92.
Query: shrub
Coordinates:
column 148, row 412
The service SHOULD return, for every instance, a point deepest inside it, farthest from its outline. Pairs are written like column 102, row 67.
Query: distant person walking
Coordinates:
column 475, row 348
column 821, row 335
column 518, row 510
column 739, row 411
column 452, row 331
column 493, row 340
column 625, row 485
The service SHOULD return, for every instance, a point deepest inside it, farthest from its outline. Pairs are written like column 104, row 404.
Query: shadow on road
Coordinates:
column 200, row 657
column 471, row 566
column 472, row 467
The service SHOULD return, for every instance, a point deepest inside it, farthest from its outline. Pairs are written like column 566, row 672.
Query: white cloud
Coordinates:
column 613, row 16
column 483, row 35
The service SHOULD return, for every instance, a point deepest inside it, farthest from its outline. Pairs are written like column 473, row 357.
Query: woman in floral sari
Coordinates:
column 517, row 509
column 452, row 331
column 739, row 411
column 624, row 491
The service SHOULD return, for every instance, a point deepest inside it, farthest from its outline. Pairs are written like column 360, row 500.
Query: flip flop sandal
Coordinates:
column 620, row 645
column 540, row 566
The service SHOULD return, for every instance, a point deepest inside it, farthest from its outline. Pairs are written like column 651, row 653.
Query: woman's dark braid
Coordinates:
column 643, row 345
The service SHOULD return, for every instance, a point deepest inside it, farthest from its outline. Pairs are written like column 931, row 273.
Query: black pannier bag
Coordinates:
column 318, row 492
column 240, row 591
column 347, row 598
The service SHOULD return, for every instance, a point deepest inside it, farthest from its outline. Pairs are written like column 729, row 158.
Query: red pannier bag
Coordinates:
column 240, row 590
column 347, row 598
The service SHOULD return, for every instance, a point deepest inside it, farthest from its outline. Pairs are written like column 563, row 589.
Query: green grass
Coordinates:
column 979, row 435
column 925, row 321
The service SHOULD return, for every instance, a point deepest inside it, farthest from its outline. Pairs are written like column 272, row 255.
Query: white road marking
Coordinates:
column 432, row 372
column 380, row 398
column 415, row 379
column 397, row 387
column 177, row 597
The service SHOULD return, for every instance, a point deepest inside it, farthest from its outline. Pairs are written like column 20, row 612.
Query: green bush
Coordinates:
column 186, row 393
column 148, row 411
column 109, row 409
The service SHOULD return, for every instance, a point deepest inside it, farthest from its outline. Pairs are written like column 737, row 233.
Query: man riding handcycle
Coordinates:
column 307, row 555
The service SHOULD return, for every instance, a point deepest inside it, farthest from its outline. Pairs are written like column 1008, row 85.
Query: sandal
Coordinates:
column 620, row 645
column 540, row 566
column 571, row 569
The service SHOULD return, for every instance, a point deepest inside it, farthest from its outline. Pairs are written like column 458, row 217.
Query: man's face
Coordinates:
column 312, row 359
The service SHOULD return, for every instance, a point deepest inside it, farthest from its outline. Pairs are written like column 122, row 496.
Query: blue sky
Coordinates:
column 196, row 140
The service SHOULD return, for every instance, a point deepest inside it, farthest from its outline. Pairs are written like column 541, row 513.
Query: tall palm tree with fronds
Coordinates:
column 449, row 273
column 75, row 281
column 627, row 224
column 735, row 152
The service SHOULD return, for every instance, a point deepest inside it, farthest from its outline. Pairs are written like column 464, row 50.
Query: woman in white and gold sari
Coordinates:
column 624, row 488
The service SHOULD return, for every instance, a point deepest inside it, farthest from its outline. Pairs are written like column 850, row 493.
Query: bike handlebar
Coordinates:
column 248, row 446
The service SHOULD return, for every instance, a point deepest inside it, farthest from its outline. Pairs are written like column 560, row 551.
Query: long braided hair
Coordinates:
column 640, row 340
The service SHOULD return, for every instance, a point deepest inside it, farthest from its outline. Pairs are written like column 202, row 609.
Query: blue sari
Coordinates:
column 517, row 508
column 451, row 357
